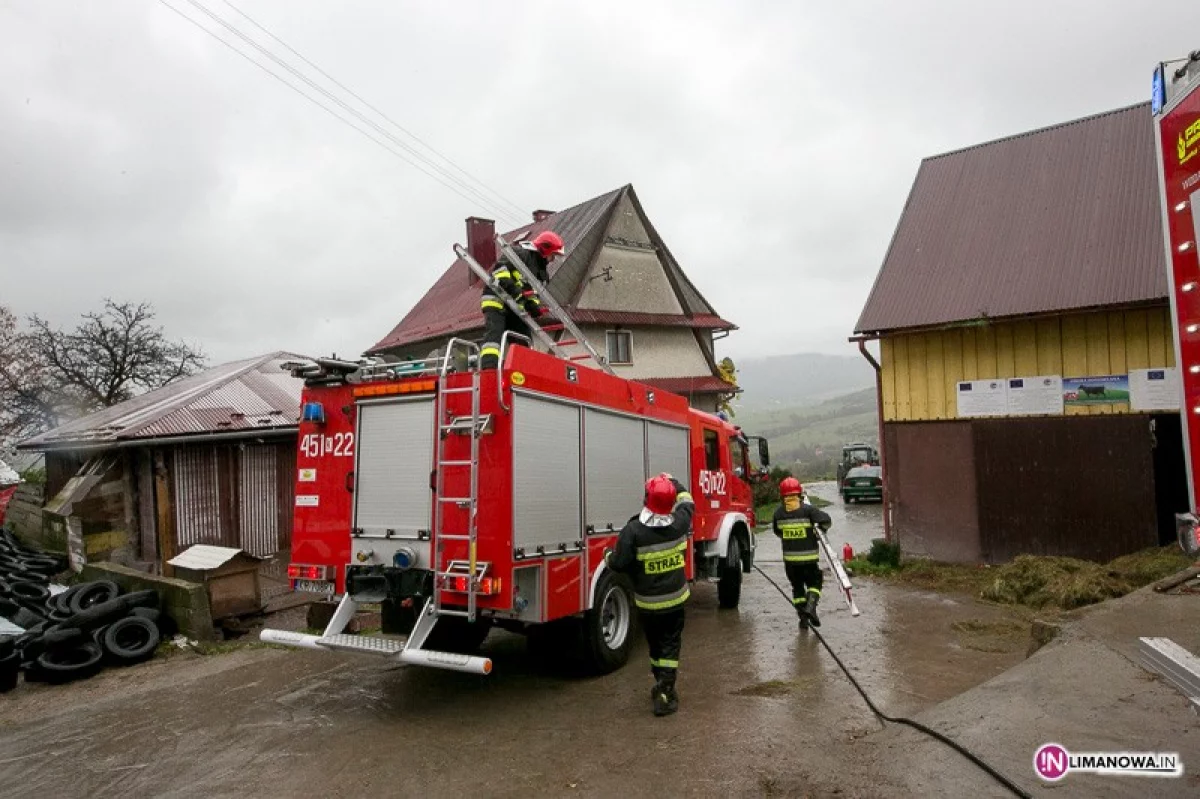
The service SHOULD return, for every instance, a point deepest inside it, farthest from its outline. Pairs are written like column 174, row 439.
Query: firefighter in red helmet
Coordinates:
column 536, row 256
column 652, row 550
column 793, row 523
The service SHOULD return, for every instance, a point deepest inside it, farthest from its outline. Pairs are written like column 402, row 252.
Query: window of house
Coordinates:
column 712, row 451
column 620, row 346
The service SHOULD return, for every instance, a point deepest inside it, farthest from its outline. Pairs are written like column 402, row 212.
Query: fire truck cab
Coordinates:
column 461, row 499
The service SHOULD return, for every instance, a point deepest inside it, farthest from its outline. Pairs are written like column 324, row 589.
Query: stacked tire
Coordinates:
column 74, row 634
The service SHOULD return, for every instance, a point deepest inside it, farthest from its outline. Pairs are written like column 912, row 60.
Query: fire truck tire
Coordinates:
column 729, row 580
column 607, row 632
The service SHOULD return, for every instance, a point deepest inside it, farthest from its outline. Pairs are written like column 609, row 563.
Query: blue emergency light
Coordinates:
column 313, row 412
column 1158, row 91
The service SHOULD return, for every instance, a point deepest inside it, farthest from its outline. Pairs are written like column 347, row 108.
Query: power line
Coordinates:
column 477, row 199
column 497, row 195
column 480, row 197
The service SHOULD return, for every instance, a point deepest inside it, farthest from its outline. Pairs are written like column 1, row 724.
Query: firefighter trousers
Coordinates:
column 804, row 576
column 495, row 322
column 664, row 634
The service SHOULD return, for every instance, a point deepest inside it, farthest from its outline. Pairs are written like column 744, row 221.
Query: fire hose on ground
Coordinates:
column 916, row 725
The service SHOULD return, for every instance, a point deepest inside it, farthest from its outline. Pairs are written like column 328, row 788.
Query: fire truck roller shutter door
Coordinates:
column 546, row 476
column 667, row 451
column 395, row 452
column 614, row 461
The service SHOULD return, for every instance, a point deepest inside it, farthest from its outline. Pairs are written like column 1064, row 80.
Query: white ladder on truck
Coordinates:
column 542, row 334
column 447, row 426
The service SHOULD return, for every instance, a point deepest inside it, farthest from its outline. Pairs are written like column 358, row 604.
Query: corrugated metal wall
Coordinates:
column 921, row 370
column 991, row 489
column 234, row 495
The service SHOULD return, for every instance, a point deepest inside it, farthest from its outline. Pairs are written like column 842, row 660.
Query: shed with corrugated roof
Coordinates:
column 208, row 459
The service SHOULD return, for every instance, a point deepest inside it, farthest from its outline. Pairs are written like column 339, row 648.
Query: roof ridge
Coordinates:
column 1037, row 131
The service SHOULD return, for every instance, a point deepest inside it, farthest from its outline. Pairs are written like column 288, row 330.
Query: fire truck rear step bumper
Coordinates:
column 387, row 647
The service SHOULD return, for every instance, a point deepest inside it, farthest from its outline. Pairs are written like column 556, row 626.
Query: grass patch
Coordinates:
column 764, row 513
column 1034, row 581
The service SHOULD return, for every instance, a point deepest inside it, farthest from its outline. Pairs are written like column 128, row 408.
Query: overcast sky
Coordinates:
column 773, row 144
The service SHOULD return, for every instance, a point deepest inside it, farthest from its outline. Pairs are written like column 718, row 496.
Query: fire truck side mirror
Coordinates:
column 764, row 453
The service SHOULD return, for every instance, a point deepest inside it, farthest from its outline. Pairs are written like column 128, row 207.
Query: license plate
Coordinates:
column 315, row 586
column 863, row 483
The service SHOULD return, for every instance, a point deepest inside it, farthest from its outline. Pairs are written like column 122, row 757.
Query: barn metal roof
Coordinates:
column 452, row 304
column 1058, row 219
column 249, row 395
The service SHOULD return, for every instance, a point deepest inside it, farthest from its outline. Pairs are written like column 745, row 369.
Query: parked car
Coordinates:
column 863, row 482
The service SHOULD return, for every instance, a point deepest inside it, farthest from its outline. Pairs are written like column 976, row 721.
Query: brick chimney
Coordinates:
column 481, row 243
column 538, row 216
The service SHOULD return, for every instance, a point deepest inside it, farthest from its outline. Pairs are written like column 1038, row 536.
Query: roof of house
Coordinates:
column 452, row 304
column 690, row 385
column 251, row 395
column 1057, row 219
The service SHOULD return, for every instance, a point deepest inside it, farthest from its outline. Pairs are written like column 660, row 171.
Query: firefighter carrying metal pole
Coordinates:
column 652, row 550
column 794, row 523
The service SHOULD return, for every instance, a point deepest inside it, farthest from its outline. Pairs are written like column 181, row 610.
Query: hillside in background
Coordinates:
column 786, row 381
column 808, row 406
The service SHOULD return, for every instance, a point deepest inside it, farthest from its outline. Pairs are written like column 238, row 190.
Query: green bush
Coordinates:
column 884, row 553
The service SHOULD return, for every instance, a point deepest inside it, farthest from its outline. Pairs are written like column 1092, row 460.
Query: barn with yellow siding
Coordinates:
column 1035, row 255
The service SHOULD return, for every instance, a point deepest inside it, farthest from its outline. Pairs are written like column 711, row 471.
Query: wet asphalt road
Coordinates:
column 764, row 711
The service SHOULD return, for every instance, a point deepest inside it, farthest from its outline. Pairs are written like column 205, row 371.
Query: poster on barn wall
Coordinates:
column 1095, row 390
column 983, row 397
column 1041, row 395
column 1154, row 389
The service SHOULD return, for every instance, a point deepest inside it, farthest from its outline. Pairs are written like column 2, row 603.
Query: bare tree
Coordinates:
column 48, row 375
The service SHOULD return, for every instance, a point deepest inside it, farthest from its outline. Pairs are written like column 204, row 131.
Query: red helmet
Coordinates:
column 548, row 243
column 660, row 494
column 790, row 486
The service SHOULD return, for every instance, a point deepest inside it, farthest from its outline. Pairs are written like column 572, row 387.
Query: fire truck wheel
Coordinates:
column 729, row 581
column 607, row 634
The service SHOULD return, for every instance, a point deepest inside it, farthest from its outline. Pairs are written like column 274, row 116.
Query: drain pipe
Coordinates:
column 887, row 494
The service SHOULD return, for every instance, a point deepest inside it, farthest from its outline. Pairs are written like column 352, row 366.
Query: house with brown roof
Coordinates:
column 619, row 283
column 1029, row 401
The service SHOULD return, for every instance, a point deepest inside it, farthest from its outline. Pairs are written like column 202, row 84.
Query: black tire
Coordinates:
column 132, row 639
column 25, row 593
column 75, row 663
column 10, row 668
column 43, row 565
column 92, row 594
column 8, row 645
column 606, row 635
column 142, row 599
column 26, row 576
column 56, row 638
column 729, row 577
column 166, row 625
column 97, row 615
column 26, row 618
column 8, row 607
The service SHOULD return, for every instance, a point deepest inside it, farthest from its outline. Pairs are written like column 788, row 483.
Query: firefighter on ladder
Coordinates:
column 793, row 523
column 536, row 256
column 652, row 550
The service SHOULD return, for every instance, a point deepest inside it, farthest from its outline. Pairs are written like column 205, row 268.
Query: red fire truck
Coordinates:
column 462, row 499
column 1176, row 106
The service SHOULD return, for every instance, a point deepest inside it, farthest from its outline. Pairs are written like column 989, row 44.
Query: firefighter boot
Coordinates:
column 663, row 695
column 810, row 608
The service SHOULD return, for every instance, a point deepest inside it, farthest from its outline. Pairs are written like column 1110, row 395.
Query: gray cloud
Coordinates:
column 772, row 143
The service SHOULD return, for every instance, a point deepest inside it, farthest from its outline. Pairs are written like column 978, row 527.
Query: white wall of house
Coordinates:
column 656, row 351
column 638, row 280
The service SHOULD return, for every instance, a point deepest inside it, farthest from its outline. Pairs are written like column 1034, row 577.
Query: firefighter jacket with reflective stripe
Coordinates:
column 654, row 555
column 795, row 527
column 513, row 283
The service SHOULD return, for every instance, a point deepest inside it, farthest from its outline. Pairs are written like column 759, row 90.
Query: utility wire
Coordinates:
column 495, row 194
column 480, row 197
column 476, row 200
column 916, row 725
